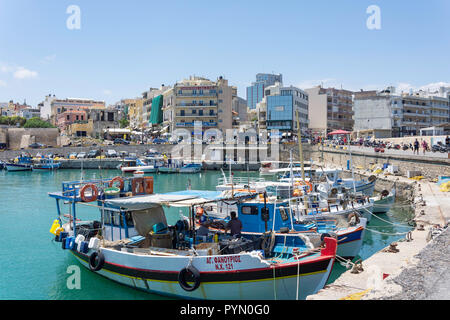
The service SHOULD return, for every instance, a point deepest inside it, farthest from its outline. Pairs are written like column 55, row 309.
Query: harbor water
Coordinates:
column 33, row 266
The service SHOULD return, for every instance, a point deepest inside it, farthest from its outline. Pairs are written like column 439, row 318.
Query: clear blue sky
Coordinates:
column 124, row 47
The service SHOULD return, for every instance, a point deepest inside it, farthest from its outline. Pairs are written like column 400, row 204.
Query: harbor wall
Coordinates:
column 18, row 138
column 427, row 167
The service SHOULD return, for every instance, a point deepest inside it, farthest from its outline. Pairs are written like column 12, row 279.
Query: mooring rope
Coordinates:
column 389, row 234
column 389, row 222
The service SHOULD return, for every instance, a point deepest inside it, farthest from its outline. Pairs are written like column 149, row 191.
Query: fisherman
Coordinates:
column 235, row 225
column 203, row 230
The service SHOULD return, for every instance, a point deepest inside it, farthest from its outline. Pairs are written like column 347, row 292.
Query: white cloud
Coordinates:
column 107, row 92
column 2, row 83
column 48, row 59
column 23, row 73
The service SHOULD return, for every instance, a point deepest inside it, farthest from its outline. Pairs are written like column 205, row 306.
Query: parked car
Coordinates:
column 81, row 155
column 3, row 146
column 94, row 154
column 121, row 141
column 36, row 146
column 111, row 154
column 159, row 141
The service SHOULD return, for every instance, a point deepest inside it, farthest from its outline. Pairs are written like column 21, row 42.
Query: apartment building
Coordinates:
column 281, row 107
column 256, row 92
column 330, row 109
column 239, row 107
column 198, row 100
column 152, row 103
column 59, row 106
column 403, row 114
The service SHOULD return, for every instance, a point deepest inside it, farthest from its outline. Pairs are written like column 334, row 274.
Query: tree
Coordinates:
column 124, row 123
column 37, row 123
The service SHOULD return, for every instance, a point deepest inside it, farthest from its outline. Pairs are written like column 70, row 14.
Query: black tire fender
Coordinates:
column 96, row 261
column 184, row 283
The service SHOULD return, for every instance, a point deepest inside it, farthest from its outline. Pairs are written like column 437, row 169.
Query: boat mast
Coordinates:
column 299, row 135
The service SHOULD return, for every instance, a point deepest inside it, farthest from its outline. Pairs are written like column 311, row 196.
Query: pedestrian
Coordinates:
column 416, row 146
column 447, row 141
column 424, row 146
column 235, row 225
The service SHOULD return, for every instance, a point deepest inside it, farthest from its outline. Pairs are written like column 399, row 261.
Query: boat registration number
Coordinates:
column 224, row 263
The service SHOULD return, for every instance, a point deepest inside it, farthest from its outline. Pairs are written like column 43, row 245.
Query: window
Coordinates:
column 116, row 219
column 129, row 219
column 283, row 214
column 200, row 112
column 107, row 217
column 194, row 111
column 250, row 210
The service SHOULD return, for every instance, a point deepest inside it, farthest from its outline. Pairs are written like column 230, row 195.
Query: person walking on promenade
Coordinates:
column 424, row 146
column 416, row 146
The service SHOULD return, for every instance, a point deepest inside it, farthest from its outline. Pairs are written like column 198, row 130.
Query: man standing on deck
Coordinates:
column 235, row 225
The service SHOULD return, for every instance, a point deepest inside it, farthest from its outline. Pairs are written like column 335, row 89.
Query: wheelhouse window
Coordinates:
column 250, row 210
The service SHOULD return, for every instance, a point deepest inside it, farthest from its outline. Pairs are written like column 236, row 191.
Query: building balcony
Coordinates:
column 411, row 105
column 413, row 114
column 196, row 115
column 196, row 105
column 204, row 94
column 192, row 124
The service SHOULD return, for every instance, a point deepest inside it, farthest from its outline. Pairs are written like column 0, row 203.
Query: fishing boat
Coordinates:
column 191, row 168
column 21, row 163
column 266, row 168
column 131, row 243
column 45, row 164
column 258, row 214
column 334, row 181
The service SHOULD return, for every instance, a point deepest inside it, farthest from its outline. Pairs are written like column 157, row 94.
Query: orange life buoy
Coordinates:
column 297, row 193
column 148, row 185
column 117, row 179
column 94, row 192
column 138, row 186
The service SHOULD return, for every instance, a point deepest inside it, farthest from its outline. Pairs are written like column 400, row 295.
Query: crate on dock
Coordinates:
column 413, row 173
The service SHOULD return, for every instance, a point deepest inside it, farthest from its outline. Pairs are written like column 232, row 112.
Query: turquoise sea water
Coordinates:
column 33, row 266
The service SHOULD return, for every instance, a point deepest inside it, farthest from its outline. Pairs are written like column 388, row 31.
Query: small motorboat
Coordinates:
column 139, row 174
column 191, row 168
column 140, row 166
column 383, row 202
column 45, row 165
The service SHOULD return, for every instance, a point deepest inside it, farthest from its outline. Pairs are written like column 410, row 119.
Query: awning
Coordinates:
column 338, row 132
column 186, row 198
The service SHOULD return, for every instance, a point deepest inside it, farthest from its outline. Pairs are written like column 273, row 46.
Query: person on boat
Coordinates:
column 203, row 230
column 234, row 225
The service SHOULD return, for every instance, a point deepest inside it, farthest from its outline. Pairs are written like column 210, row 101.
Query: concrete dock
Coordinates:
column 417, row 267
